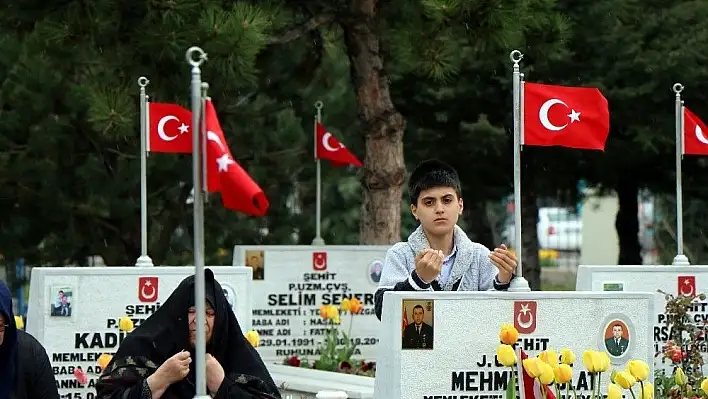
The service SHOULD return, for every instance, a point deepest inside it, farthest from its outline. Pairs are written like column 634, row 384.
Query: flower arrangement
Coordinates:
column 337, row 348
column 683, row 351
column 555, row 372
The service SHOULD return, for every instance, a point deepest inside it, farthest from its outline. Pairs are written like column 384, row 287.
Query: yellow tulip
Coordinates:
column 345, row 306
column 332, row 312
column 336, row 319
column 567, row 356
column 253, row 338
column 547, row 374
column 648, row 391
column 639, row 369
column 603, row 361
column 103, row 360
column 563, row 373
column 532, row 366
column 125, row 324
column 704, row 385
column 680, row 377
column 625, row 380
column 506, row 355
column 549, row 357
column 508, row 334
column 19, row 323
column 590, row 361
column 614, row 392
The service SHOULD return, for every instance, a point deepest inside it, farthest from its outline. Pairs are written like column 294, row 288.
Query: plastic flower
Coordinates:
column 19, row 323
column 549, row 357
column 253, row 338
column 704, row 385
column 647, row 391
column 80, row 376
column 355, row 306
column 532, row 366
column 614, row 392
column 125, row 324
column 680, row 377
column 103, row 360
column 567, row 356
column 506, row 355
column 625, row 379
column 563, row 373
column 345, row 305
column 604, row 362
column 547, row 374
column 591, row 361
column 639, row 369
column 323, row 312
column 508, row 334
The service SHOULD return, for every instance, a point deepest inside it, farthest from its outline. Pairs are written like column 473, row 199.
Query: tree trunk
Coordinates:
column 384, row 171
column 627, row 221
column 529, row 221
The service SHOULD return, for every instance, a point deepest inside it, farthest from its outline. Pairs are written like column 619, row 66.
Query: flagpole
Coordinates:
column 680, row 259
column 205, row 93
column 144, row 260
column 518, row 283
column 318, row 190
column 199, row 283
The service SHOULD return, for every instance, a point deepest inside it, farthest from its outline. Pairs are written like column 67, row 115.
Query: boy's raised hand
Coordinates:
column 428, row 264
column 505, row 261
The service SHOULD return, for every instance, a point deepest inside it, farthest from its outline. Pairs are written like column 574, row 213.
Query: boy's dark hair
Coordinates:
column 429, row 174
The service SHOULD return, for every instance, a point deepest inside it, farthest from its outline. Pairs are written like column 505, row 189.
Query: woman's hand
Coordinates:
column 175, row 368
column 214, row 374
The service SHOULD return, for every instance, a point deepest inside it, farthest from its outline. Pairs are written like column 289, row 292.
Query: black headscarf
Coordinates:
column 8, row 348
column 166, row 332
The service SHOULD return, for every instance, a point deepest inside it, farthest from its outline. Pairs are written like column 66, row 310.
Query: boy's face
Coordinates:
column 438, row 209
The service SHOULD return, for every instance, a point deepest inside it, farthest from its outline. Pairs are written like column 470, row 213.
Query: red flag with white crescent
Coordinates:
column 170, row 128
column 331, row 149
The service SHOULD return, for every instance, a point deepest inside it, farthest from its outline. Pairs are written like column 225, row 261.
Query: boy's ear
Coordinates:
column 414, row 211
column 461, row 204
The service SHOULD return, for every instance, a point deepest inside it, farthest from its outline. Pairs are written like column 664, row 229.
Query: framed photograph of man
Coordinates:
column 417, row 329
column 61, row 301
column 617, row 338
column 255, row 259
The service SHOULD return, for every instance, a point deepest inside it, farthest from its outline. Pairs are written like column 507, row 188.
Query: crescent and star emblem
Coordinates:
column 529, row 320
column 699, row 135
column 161, row 128
column 327, row 145
column 152, row 291
column 546, row 107
column 211, row 136
column 687, row 284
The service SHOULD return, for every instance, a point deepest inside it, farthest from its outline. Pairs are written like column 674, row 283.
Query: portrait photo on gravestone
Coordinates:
column 61, row 300
column 617, row 338
column 255, row 259
column 418, row 330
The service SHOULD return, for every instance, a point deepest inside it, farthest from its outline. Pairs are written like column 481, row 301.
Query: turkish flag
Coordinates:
column 224, row 175
column 331, row 149
column 695, row 141
column 532, row 388
column 169, row 128
column 573, row 117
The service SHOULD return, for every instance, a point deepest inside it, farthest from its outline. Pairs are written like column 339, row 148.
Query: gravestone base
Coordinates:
column 301, row 383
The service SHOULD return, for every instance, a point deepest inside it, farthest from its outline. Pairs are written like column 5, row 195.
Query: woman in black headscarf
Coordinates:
column 155, row 360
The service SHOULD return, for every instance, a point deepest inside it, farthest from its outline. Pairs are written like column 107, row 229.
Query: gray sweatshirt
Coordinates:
column 471, row 268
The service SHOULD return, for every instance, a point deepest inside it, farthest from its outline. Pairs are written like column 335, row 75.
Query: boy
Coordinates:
column 438, row 256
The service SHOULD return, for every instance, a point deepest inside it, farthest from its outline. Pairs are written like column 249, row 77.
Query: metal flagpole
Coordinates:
column 144, row 260
column 199, row 283
column 518, row 283
column 205, row 91
column 318, row 206
column 680, row 259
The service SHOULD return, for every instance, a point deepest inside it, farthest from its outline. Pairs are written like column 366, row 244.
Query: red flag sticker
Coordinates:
column 687, row 285
column 525, row 316
column 147, row 289
column 319, row 261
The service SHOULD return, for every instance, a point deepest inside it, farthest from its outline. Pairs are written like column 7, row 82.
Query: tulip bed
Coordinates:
column 337, row 349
